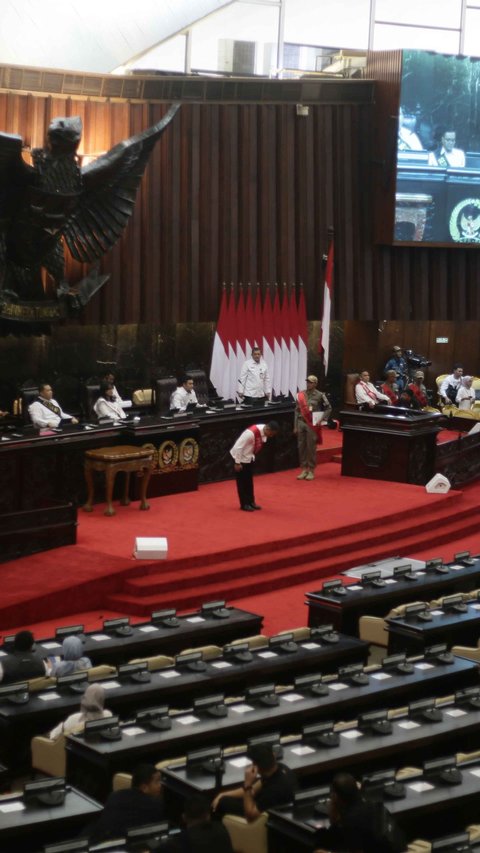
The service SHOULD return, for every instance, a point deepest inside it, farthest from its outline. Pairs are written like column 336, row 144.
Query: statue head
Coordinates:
column 64, row 135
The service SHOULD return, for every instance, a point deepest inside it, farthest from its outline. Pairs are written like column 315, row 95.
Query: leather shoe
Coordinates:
column 255, row 506
column 247, row 508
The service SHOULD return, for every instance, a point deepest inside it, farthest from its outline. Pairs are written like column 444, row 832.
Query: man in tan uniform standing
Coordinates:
column 312, row 407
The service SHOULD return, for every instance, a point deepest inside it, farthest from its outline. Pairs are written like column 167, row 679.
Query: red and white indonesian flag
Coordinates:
column 219, row 369
column 277, row 344
column 302, row 340
column 268, row 344
column 293, row 315
column 327, row 306
column 285, row 342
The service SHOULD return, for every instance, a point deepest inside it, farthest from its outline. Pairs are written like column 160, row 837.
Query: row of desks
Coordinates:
column 198, row 628
column 99, row 760
column 344, row 611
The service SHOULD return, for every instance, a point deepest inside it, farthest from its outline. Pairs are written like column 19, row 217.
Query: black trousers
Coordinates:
column 245, row 484
column 230, row 805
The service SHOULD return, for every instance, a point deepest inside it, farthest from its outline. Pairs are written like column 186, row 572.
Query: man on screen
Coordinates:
column 446, row 155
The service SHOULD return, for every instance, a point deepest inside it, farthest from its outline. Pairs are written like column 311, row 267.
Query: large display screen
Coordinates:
column 437, row 199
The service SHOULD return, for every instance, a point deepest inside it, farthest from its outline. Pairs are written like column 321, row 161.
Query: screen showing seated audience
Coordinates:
column 437, row 198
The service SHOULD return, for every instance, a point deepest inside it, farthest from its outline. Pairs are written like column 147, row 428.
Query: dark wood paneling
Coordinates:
column 246, row 192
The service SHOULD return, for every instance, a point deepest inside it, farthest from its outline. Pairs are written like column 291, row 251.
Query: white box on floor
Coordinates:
column 151, row 548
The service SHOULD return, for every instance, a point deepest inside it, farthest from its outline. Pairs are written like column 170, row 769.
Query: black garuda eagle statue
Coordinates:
column 55, row 201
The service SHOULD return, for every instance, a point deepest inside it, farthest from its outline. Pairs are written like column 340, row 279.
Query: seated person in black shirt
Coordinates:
column 130, row 807
column 353, row 822
column 24, row 662
column 201, row 835
column 267, row 784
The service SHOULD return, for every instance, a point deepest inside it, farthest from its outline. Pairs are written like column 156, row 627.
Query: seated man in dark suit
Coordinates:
column 24, row 662
column 267, row 784
column 201, row 835
column 130, row 807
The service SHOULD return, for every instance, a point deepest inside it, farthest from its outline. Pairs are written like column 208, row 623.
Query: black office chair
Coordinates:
column 164, row 389
column 200, row 385
column 28, row 395
column 90, row 393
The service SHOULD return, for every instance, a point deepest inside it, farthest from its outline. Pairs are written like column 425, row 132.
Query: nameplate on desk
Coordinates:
column 51, row 645
column 99, row 637
column 338, row 685
column 421, row 787
column 188, row 720
column 110, row 685
column 352, row 734
column 47, row 697
column 408, row 724
column 242, row 761
column 302, row 750
column 169, row 673
column 241, row 709
column 16, row 806
column 291, row 697
column 132, row 731
column 310, row 646
column 195, row 619
column 147, row 629
column 221, row 664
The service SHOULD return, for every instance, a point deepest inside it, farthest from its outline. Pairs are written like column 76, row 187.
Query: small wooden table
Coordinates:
column 125, row 458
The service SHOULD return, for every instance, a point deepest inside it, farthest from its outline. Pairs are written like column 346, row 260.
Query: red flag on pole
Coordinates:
column 277, row 348
column 219, row 366
column 327, row 306
column 302, row 340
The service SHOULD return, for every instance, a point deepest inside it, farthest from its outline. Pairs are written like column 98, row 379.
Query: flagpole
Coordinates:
column 324, row 342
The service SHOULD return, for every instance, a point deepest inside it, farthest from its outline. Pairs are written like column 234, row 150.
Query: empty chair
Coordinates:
column 164, row 389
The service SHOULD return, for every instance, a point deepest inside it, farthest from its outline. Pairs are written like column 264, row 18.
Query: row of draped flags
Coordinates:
column 278, row 325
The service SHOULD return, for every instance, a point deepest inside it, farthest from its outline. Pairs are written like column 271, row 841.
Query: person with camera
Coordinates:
column 399, row 364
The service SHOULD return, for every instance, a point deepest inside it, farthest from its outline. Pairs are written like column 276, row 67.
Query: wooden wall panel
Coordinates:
column 246, row 192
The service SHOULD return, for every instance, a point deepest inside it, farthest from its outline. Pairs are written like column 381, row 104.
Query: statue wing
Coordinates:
column 110, row 186
column 15, row 175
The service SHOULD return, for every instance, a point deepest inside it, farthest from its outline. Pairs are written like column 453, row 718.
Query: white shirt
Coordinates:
column 73, row 723
column 254, row 379
column 449, row 380
column 465, row 397
column 362, row 394
column 455, row 158
column 125, row 404
column 107, row 408
column 181, row 398
column 409, row 139
column 242, row 450
column 41, row 415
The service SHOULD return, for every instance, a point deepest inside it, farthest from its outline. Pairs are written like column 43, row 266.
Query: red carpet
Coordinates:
column 305, row 532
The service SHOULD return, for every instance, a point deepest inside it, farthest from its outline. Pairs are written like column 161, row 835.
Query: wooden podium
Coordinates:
column 390, row 443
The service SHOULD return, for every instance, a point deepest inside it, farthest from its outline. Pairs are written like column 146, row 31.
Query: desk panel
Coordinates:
column 345, row 611
column 187, row 733
column 413, row 635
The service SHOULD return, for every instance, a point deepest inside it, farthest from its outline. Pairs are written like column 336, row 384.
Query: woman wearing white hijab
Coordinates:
column 466, row 394
column 91, row 708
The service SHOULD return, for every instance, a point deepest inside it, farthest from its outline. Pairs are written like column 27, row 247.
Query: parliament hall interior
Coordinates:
column 240, row 426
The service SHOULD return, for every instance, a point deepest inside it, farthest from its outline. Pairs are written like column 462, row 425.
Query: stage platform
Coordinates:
column 306, row 531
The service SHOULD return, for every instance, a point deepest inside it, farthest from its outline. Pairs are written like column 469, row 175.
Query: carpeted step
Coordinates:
column 313, row 573
column 284, row 557
column 427, row 511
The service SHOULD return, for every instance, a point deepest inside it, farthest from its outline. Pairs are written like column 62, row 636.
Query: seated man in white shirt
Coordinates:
column 184, row 395
column 451, row 385
column 367, row 395
column 46, row 412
